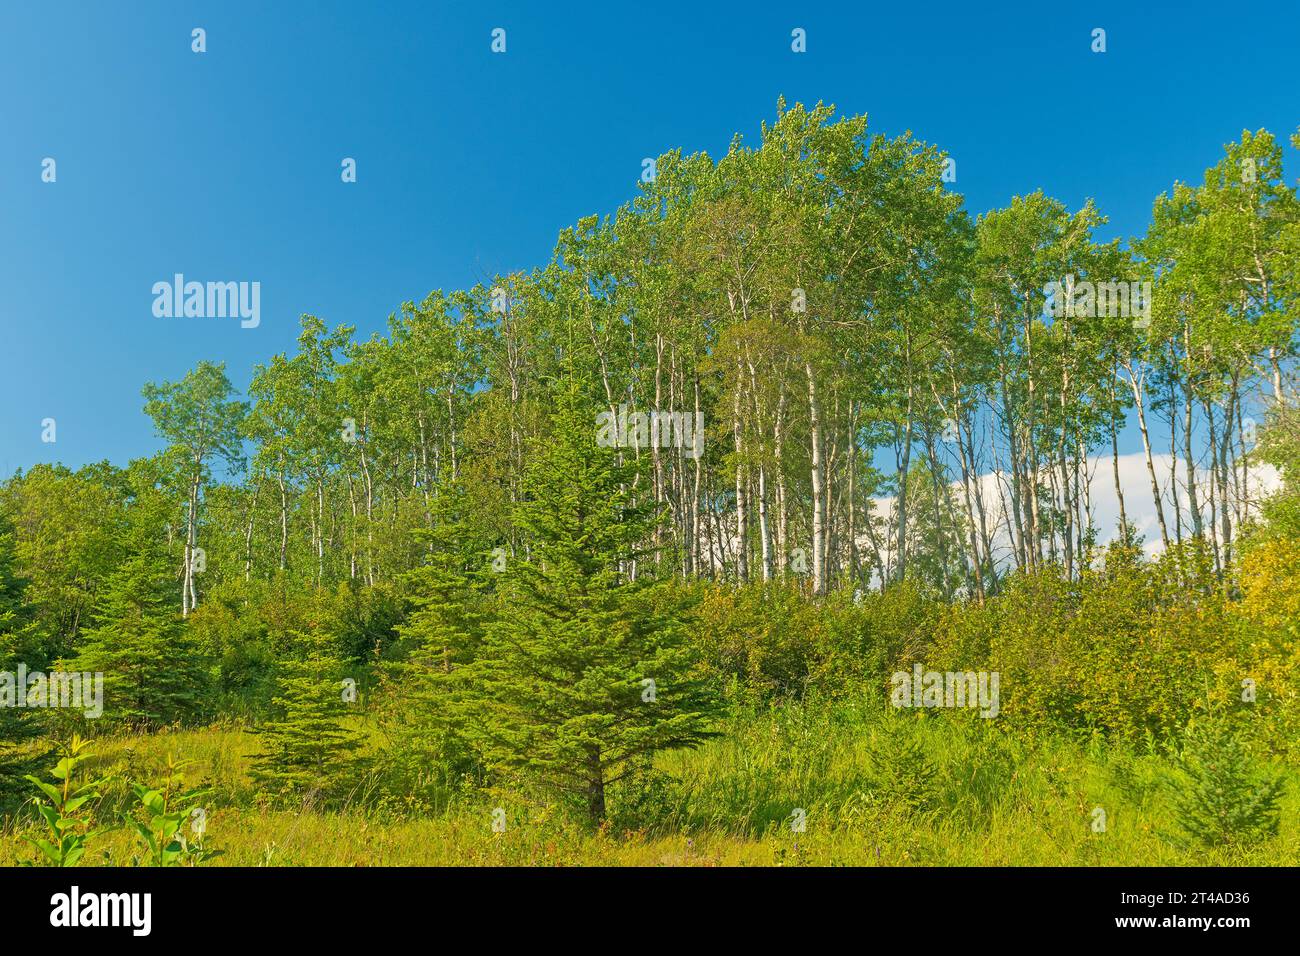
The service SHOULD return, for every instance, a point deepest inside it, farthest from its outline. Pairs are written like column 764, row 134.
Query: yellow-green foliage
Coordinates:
column 1108, row 652
column 1267, row 618
column 1132, row 650
column 1135, row 650
column 780, row 643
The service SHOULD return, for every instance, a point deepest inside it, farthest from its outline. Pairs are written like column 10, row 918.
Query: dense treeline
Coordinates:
column 904, row 413
column 848, row 334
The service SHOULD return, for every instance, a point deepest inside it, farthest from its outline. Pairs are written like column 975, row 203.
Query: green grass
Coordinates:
column 878, row 788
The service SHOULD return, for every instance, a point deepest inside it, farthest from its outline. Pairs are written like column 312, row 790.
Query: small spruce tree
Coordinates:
column 902, row 771
column 442, row 634
column 307, row 749
column 1226, row 798
column 585, row 672
column 153, row 674
column 447, row 590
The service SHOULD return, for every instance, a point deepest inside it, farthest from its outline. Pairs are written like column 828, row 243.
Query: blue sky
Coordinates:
column 225, row 165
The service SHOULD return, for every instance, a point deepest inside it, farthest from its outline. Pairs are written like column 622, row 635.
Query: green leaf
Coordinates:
column 50, row 791
column 47, row 848
column 76, row 802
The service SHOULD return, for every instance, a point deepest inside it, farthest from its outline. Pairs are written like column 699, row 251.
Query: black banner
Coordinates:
column 348, row 906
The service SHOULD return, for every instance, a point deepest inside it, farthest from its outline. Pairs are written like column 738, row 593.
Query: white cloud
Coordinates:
column 1135, row 484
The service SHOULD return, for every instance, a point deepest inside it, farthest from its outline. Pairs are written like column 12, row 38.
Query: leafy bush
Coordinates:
column 66, row 808
column 164, row 809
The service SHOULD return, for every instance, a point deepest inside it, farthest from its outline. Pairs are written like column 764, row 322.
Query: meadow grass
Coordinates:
column 877, row 788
